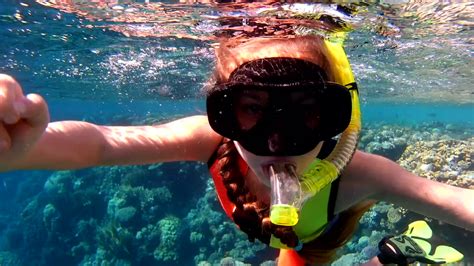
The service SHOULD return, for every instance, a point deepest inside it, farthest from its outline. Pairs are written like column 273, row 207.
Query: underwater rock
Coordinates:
column 394, row 215
column 363, row 241
column 375, row 237
column 392, row 150
column 348, row 259
column 357, row 244
column 51, row 218
column 114, row 205
column 426, row 167
column 59, row 183
column 229, row 261
column 268, row 263
column 386, row 140
column 369, row 252
column 80, row 250
column 150, row 203
column 124, row 215
column 30, row 210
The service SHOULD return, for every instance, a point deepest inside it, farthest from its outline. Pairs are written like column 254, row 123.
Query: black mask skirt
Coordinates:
column 279, row 107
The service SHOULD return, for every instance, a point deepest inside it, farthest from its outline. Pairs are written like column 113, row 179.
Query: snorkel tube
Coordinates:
column 285, row 194
column 289, row 192
column 347, row 144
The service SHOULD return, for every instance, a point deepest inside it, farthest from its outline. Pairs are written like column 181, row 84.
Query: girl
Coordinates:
column 274, row 110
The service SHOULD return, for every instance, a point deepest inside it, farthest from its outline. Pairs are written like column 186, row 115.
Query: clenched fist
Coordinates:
column 23, row 119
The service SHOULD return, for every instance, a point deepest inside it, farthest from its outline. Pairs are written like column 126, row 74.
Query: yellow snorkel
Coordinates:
column 292, row 191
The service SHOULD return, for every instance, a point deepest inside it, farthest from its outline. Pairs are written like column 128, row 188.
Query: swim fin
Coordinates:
column 417, row 243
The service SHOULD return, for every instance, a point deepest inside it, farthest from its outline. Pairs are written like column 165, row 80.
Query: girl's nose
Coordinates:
column 275, row 142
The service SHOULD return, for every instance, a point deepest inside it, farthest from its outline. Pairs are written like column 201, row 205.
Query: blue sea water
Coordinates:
column 418, row 79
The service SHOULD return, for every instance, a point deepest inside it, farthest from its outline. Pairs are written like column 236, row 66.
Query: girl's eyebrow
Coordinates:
column 252, row 94
column 300, row 97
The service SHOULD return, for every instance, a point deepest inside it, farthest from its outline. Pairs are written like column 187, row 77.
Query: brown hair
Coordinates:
column 252, row 214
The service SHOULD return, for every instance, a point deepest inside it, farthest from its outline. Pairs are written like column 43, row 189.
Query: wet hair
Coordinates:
column 230, row 56
column 250, row 213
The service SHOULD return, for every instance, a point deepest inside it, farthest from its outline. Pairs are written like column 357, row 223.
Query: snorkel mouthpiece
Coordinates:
column 286, row 194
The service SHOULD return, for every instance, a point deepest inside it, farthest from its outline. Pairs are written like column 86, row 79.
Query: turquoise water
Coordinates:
column 415, row 83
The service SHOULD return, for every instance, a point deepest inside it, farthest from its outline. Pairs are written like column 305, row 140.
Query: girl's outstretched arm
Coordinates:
column 375, row 177
column 76, row 144
column 28, row 141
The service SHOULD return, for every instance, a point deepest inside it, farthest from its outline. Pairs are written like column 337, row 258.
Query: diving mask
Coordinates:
column 279, row 107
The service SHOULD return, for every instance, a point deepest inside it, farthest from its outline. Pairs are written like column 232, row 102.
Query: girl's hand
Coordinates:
column 23, row 119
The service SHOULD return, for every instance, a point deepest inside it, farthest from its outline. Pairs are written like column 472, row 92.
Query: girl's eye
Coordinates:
column 253, row 109
column 307, row 107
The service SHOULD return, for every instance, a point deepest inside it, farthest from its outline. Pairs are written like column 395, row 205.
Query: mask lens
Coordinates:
column 278, row 108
